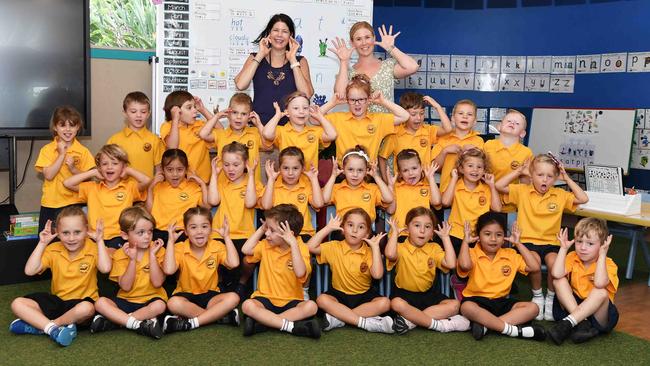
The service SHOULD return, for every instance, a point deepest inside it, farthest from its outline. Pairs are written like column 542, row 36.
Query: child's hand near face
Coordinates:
column 334, row 224
column 563, row 237
column 374, row 241
column 176, row 114
column 605, row 247
column 224, row 230
column 155, row 246
column 443, row 230
column 47, row 235
column 468, row 233
column 271, row 174
column 515, row 234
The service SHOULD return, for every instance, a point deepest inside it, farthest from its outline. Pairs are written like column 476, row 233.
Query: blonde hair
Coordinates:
column 130, row 216
column 545, row 158
column 112, row 151
column 466, row 102
column 592, row 224
column 514, row 111
column 72, row 211
column 361, row 25
column 473, row 153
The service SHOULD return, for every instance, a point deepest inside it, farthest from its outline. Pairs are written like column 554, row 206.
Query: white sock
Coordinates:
column 527, row 332
column 49, row 328
column 362, row 323
column 538, row 292
column 571, row 319
column 194, row 322
column 550, row 295
column 435, row 325
column 510, row 330
column 133, row 323
column 287, row 326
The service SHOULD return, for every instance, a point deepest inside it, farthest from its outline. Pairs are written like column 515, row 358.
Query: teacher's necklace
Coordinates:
column 271, row 75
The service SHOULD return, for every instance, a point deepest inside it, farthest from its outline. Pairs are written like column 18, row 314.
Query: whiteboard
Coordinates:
column 201, row 45
column 580, row 137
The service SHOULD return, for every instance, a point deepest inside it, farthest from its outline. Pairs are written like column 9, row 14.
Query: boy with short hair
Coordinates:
column 414, row 133
column 284, row 267
column 144, row 148
column 585, row 284
column 74, row 262
column 239, row 113
column 137, row 270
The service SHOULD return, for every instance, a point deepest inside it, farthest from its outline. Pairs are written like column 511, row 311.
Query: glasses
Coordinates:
column 358, row 101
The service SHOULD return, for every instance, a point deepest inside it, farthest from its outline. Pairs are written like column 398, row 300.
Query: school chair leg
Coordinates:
column 326, row 276
column 319, row 280
column 632, row 255
column 255, row 273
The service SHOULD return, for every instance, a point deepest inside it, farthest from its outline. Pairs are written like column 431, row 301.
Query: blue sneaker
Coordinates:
column 19, row 326
column 64, row 335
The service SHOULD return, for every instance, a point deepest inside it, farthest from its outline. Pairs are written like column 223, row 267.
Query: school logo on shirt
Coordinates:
column 146, row 268
column 146, row 147
column 482, row 200
column 76, row 160
column 505, row 269
column 290, row 264
column 311, row 138
column 364, row 267
column 372, row 129
column 423, row 142
column 302, row 197
column 365, row 197
column 250, row 144
column 514, row 164
column 431, row 263
column 552, row 207
column 424, row 192
column 211, row 263
column 242, row 194
column 84, row 267
column 120, row 196
column 183, row 196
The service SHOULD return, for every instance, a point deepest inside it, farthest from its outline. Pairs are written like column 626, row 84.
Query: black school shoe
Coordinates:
column 231, row 318
column 251, row 327
column 477, row 331
column 560, row 331
column 306, row 328
column 583, row 332
column 101, row 324
column 175, row 323
column 539, row 333
column 150, row 328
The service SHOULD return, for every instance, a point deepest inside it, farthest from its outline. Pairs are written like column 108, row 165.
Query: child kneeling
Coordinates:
column 491, row 270
column 415, row 261
column 74, row 262
column 137, row 270
column 585, row 283
column 284, row 267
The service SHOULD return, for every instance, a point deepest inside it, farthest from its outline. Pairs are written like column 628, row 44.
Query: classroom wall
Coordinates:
column 590, row 28
column 110, row 81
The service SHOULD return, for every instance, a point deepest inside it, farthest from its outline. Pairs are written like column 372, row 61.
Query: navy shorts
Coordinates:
column 201, row 300
column 352, row 301
column 497, row 307
column 419, row 300
column 542, row 249
column 276, row 309
column 131, row 307
column 53, row 306
column 115, row 243
column 612, row 315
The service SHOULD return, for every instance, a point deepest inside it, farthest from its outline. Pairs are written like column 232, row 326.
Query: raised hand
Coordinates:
column 467, row 230
column 341, row 50
column 524, row 168
column 130, row 250
column 311, row 173
column 443, row 230
column 47, row 235
column 387, row 39
column 563, row 237
column 250, row 166
column 156, row 245
column 172, row 233
column 335, row 168
column 563, row 174
column 98, row 234
column 264, row 47
column 374, row 241
column 198, row 102
column 61, row 147
column 340, row 99
column 176, row 114
column 224, row 230
column 286, row 234
column 394, row 226
column 454, row 173
column 278, row 110
column 334, row 224
column 374, row 170
column 605, row 247
column 515, row 234
column 432, row 102
column 69, row 162
column 452, row 149
column 430, row 171
column 254, row 118
column 216, row 166
column 392, row 179
column 158, row 178
column 488, row 179
column 192, row 176
column 377, row 97
column 271, row 174
column 294, row 46
column 315, row 112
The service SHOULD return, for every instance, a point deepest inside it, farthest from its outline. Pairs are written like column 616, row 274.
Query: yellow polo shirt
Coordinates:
column 468, row 205
column 276, row 280
column 72, row 279
column 199, row 275
column 142, row 289
column 416, row 266
column 472, row 138
column 420, row 141
column 309, row 140
column 368, row 131
column 299, row 195
column 540, row 217
column 408, row 197
column 55, row 194
column 350, row 268
column 249, row 137
column 582, row 279
column 197, row 150
column 241, row 220
column 144, row 148
column 169, row 203
column 505, row 159
column 492, row 278
column 366, row 195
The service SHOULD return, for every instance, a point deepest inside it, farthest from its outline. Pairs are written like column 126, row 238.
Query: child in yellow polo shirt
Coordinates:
column 137, row 270
column 181, row 130
column 236, row 192
column 197, row 299
column 298, row 132
column 415, row 261
column 412, row 186
column 62, row 158
column 355, row 191
column 74, row 262
column 355, row 262
column 463, row 137
column 143, row 147
column 586, row 283
column 297, row 185
column 539, row 213
column 174, row 191
column 117, row 187
column 239, row 113
column 284, row 268
column 491, row 269
column 414, row 133
column 358, row 126
column 507, row 153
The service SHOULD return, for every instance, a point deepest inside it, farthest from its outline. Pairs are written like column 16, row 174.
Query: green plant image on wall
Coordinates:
column 123, row 24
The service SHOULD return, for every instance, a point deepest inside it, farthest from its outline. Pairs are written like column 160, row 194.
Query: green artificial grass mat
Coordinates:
column 226, row 345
